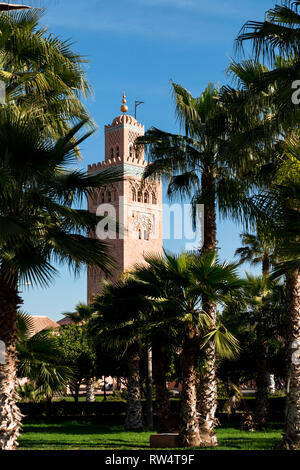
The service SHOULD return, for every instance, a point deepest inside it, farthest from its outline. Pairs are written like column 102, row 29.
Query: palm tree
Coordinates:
column 256, row 318
column 196, row 166
column 38, row 226
column 263, row 302
column 259, row 249
column 277, row 40
column 167, row 296
column 279, row 35
column 117, row 326
column 204, row 278
column 187, row 278
column 129, row 317
column 39, row 360
column 160, row 329
column 255, row 250
column 82, row 314
column 44, row 78
column 281, row 202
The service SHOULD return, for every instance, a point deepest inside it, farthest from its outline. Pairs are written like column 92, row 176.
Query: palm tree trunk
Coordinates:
column 207, row 387
column 119, row 383
column 90, row 389
column 261, row 407
column 134, row 414
column 49, row 406
column 188, row 421
column 149, row 380
column 266, row 265
column 291, row 437
column 207, row 400
column 104, row 388
column 75, row 391
column 210, row 227
column 10, row 416
column 163, row 410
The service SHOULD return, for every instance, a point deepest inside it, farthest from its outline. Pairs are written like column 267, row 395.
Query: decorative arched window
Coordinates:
column 109, row 196
column 112, row 153
column 133, row 192
column 102, row 197
column 140, row 234
column 139, row 196
column 130, row 151
column 146, row 197
column 154, row 200
column 138, row 152
column 146, row 235
column 117, row 152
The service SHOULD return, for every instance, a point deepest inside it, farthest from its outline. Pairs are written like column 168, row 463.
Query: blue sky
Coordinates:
column 138, row 46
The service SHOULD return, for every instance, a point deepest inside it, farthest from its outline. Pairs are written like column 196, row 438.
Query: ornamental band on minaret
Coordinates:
column 137, row 207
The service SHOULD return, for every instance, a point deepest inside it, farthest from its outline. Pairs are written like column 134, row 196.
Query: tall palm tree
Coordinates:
column 194, row 165
column 279, row 35
column 282, row 204
column 38, row 226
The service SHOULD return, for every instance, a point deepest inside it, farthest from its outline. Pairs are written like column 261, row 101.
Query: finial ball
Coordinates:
column 124, row 107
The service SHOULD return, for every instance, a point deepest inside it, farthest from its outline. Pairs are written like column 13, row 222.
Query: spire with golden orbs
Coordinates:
column 124, row 107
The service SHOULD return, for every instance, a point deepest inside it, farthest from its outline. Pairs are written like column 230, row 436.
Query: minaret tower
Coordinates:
column 137, row 207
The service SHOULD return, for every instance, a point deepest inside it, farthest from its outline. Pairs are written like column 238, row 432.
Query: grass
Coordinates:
column 86, row 436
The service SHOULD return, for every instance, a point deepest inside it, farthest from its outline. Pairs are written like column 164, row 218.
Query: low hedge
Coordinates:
column 118, row 408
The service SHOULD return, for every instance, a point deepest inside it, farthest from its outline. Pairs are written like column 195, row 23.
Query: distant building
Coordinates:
column 65, row 321
column 40, row 323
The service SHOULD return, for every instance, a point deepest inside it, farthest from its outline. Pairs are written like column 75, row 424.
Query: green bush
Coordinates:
column 113, row 407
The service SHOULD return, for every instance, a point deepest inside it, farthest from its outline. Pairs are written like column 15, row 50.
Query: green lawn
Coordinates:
column 79, row 436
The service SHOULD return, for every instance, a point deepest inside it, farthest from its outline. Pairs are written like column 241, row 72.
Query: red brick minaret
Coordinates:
column 137, row 208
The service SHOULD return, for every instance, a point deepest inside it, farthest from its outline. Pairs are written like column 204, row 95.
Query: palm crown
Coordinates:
column 38, row 191
column 277, row 40
column 44, row 78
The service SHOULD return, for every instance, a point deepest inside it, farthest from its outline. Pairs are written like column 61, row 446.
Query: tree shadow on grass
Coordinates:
column 76, row 429
column 58, row 445
column 93, row 436
column 240, row 443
